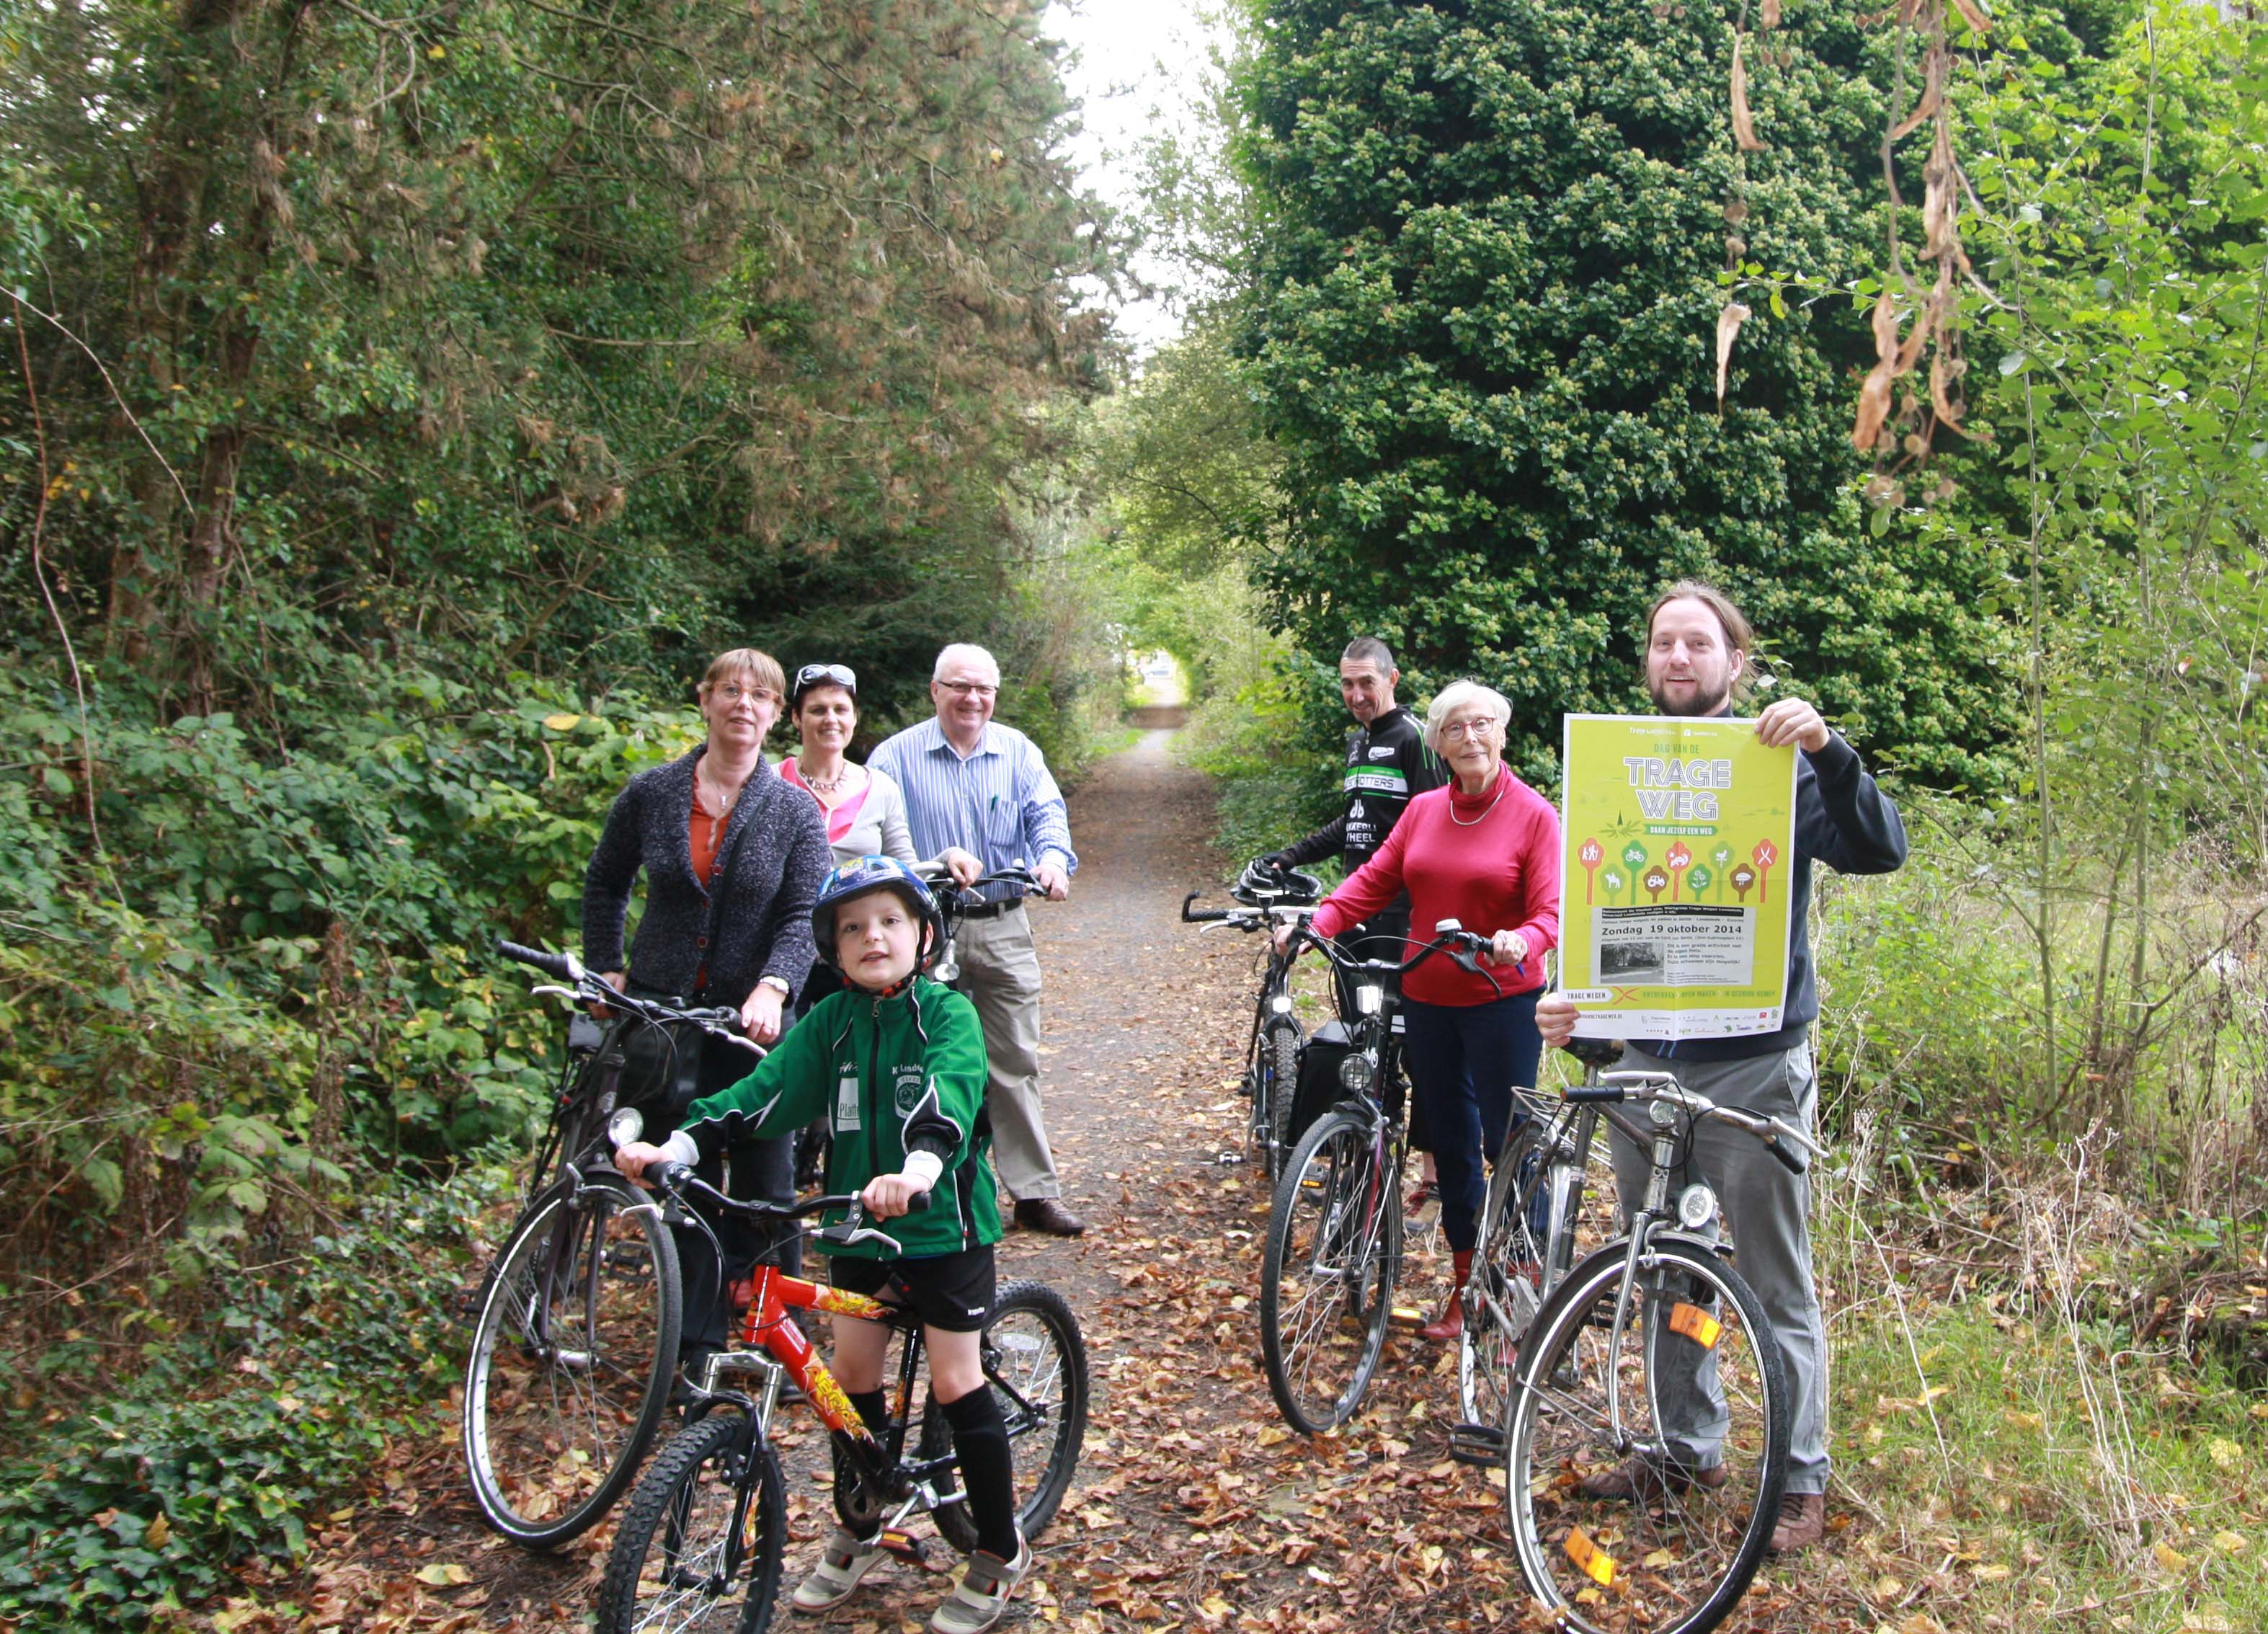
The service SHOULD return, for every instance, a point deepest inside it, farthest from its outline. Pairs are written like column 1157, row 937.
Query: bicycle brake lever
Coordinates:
column 547, row 990
column 846, row 1234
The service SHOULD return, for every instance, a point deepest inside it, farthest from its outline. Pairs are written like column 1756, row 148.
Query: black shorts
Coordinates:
column 953, row 1292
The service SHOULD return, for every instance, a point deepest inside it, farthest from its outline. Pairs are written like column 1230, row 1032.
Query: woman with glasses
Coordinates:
column 732, row 858
column 1485, row 852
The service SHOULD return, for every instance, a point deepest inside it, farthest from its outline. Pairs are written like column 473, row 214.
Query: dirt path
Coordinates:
column 1194, row 1507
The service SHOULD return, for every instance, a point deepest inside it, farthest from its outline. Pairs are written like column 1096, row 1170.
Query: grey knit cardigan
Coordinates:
column 774, row 853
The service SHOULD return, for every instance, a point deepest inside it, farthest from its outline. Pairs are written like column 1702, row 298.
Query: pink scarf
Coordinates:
column 841, row 818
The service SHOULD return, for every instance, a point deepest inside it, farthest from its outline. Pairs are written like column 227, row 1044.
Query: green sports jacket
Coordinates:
column 891, row 1076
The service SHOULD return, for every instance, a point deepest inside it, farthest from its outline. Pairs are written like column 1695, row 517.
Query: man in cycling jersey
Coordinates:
column 1697, row 664
column 1388, row 765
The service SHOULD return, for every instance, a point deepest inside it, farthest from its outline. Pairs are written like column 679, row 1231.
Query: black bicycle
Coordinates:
column 1335, row 1231
column 700, row 1542
column 1267, row 897
column 576, row 1325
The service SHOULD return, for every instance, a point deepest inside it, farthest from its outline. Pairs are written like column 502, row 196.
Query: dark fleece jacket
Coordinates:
column 774, row 855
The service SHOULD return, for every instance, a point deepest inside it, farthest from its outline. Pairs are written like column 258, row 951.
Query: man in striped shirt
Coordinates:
column 982, row 790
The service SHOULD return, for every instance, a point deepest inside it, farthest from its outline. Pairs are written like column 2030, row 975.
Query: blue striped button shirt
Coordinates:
column 1000, row 803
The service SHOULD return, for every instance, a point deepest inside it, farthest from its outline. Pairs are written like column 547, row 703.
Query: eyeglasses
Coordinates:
column 1475, row 730
column 969, row 689
column 827, row 674
column 731, row 692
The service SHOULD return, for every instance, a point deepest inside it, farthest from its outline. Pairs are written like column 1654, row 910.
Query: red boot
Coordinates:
column 1449, row 1326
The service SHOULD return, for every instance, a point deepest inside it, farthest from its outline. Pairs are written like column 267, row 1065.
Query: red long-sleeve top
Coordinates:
column 1491, row 863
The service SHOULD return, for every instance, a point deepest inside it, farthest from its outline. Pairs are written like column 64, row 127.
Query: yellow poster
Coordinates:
column 1673, row 892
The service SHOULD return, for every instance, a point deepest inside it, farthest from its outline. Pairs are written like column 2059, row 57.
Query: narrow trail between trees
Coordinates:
column 1194, row 1507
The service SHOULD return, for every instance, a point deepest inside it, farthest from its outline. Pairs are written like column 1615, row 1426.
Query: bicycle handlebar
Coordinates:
column 722, row 1021
column 557, row 965
column 1786, row 1143
column 1459, row 945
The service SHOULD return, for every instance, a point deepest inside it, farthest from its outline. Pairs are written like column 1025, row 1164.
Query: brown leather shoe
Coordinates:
column 1803, row 1522
column 1046, row 1214
column 1636, row 1480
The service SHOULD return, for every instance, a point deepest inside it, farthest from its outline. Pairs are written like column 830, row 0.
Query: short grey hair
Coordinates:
column 1371, row 651
column 964, row 653
column 1456, row 695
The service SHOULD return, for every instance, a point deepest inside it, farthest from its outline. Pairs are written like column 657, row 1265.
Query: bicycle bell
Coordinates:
column 625, row 1126
column 1696, row 1206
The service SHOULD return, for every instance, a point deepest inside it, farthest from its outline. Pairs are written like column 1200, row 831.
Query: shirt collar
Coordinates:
column 939, row 743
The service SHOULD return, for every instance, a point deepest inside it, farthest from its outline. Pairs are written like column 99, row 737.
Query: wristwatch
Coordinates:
column 780, row 982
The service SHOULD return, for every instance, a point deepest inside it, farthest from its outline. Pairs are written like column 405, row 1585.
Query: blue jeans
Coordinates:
column 1463, row 1061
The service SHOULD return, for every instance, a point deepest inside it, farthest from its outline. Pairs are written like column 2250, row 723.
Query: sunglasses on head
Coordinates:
column 825, row 675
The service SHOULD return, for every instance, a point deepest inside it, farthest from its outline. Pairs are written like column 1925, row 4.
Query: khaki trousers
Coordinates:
column 1000, row 974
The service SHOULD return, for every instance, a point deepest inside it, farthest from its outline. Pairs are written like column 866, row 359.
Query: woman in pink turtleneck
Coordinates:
column 1485, row 852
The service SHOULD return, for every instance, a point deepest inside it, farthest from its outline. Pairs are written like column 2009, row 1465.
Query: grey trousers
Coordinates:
column 1769, row 1211
column 1000, row 974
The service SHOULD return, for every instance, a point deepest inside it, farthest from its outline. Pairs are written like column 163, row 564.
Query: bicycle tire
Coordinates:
column 1282, row 1045
column 1334, row 1239
column 1035, row 1361
column 553, row 1433
column 1678, row 1560
column 672, row 1569
column 1501, row 1297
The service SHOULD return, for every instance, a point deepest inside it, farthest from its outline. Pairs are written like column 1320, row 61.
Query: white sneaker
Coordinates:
column 843, row 1565
column 983, row 1592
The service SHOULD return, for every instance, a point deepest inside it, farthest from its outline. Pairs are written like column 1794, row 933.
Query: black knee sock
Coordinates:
column 874, row 1407
column 988, row 1473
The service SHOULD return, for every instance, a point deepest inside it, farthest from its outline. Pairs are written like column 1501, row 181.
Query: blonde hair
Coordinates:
column 761, row 668
column 1455, row 695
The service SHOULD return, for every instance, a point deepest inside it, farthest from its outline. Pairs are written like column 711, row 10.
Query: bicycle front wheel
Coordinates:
column 1280, row 1049
column 1501, row 1293
column 571, row 1354
column 1645, row 1458
column 1036, row 1363
column 701, row 1544
column 1327, row 1282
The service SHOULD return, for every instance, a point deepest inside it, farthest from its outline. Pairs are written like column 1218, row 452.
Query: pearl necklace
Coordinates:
column 824, row 785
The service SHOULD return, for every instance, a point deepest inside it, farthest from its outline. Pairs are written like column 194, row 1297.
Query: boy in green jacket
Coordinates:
column 895, row 1062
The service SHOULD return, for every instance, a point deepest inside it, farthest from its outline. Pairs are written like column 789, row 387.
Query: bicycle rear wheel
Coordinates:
column 1327, row 1281
column 1673, row 1553
column 700, row 1542
column 1501, row 1293
column 1035, row 1362
column 569, row 1369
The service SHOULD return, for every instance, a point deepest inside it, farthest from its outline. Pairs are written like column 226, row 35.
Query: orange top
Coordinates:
column 703, row 833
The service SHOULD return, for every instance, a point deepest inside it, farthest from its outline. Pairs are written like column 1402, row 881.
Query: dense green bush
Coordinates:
column 1485, row 291
column 240, row 1431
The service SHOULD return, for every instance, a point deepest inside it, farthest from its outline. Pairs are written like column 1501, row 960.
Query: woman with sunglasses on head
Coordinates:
column 865, row 809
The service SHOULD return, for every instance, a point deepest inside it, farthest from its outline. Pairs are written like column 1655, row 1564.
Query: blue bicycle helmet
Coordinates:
column 874, row 874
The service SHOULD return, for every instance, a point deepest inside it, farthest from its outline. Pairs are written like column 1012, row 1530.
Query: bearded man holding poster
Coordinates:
column 1696, row 665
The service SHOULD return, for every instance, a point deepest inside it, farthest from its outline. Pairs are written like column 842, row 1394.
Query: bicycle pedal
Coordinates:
column 1406, row 1316
column 1481, row 1446
column 913, row 1550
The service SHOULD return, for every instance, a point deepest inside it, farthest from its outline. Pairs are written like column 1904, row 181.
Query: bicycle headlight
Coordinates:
column 1368, row 1000
column 1664, row 1112
column 1358, row 1070
column 625, row 1126
column 1696, row 1206
column 1280, row 1003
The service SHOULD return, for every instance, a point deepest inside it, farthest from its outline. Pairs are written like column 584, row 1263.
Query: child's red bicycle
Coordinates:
column 702, row 1543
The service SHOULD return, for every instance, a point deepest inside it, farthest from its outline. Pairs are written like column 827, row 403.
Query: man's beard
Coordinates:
column 1701, row 703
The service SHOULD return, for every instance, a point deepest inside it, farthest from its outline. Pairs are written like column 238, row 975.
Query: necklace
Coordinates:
column 825, row 785
column 725, row 799
column 1501, row 785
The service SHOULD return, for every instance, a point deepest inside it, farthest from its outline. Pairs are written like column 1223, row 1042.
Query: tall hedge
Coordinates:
column 1488, row 285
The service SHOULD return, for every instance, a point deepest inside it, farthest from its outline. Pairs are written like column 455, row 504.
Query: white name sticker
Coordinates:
column 846, row 1104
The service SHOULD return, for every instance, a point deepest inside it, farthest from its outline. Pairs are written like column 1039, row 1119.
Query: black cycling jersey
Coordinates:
column 1387, row 764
